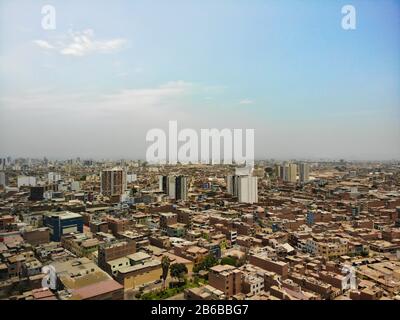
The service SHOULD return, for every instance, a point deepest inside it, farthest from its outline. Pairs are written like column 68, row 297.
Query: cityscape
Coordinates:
column 198, row 156
column 83, row 229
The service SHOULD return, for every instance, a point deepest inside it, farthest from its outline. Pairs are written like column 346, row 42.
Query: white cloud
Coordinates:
column 83, row 43
column 246, row 101
column 43, row 44
column 164, row 97
column 148, row 98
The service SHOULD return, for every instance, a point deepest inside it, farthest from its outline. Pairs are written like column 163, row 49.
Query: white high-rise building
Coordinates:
column 26, row 181
column 304, row 173
column 53, row 177
column 247, row 189
column 171, row 189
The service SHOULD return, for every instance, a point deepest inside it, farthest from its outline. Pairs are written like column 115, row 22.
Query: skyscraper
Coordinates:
column 231, row 184
column 292, row 173
column 247, row 189
column 244, row 187
column 277, row 171
column 175, row 187
column 304, row 169
column 162, row 183
column 2, row 163
column 171, row 187
column 3, row 179
column 181, row 188
column 113, row 182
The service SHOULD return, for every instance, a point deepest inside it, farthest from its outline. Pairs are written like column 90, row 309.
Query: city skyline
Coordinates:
column 109, row 73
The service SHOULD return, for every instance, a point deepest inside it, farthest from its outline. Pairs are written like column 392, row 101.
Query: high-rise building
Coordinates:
column 292, row 173
column 162, row 182
column 304, row 172
column 25, row 181
column 176, row 187
column 2, row 163
column 231, row 185
column 113, row 182
column 245, row 188
column 3, row 179
column 171, row 187
column 181, row 186
column 284, row 174
column 277, row 171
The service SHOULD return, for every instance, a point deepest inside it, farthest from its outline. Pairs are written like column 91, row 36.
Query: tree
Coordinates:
column 209, row 261
column 223, row 244
column 178, row 271
column 165, row 263
column 229, row 260
column 206, row 264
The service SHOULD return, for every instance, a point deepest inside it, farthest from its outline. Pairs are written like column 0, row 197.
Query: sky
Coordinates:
column 112, row 70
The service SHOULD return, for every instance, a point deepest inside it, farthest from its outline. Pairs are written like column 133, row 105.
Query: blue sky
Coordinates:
column 309, row 88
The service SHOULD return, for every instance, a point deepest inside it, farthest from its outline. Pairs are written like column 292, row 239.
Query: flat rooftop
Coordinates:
column 64, row 215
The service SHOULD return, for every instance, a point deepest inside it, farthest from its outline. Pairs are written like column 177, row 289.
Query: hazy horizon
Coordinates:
column 110, row 72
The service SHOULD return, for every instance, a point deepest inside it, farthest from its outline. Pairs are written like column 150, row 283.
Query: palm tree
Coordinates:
column 165, row 267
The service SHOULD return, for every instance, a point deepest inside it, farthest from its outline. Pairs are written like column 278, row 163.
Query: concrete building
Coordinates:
column 113, row 182
column 136, row 269
column 83, row 280
column 115, row 250
column 291, row 173
column 245, row 188
column 26, row 181
column 225, row 278
column 304, row 172
column 62, row 223
column 262, row 261
column 3, row 179
column 176, row 187
column 53, row 177
column 248, row 189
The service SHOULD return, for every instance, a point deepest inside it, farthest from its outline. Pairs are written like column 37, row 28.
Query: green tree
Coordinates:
column 206, row 264
column 223, row 244
column 178, row 271
column 229, row 260
column 165, row 263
